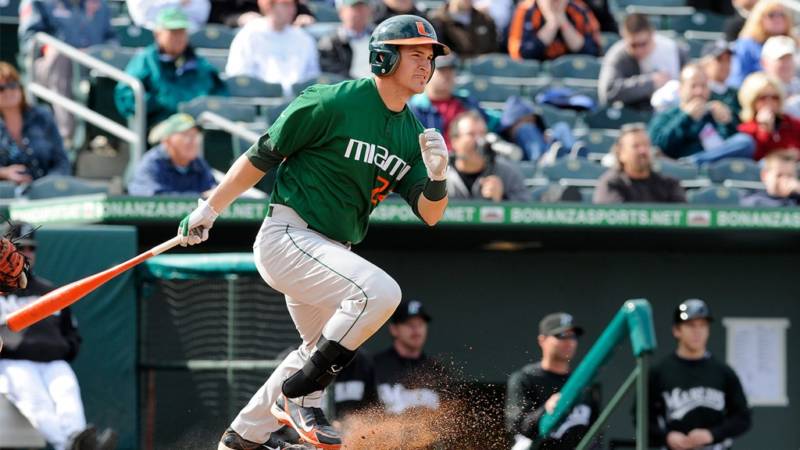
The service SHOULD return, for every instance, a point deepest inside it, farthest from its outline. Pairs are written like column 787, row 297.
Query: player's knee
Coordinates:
column 387, row 295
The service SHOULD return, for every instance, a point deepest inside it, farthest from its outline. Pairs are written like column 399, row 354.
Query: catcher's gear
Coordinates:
column 405, row 29
column 693, row 308
column 13, row 267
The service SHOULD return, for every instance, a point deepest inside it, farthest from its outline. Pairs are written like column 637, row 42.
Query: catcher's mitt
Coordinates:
column 13, row 267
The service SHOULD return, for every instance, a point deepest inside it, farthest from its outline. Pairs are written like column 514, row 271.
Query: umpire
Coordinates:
column 696, row 402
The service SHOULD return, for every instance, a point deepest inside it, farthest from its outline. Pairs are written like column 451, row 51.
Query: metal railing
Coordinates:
column 135, row 136
column 224, row 124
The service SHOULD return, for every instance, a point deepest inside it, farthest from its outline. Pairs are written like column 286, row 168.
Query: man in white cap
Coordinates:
column 778, row 61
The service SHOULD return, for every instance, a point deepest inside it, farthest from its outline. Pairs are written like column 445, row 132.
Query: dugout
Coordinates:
column 487, row 274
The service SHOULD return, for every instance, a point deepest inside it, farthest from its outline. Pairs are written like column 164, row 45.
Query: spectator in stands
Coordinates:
column 602, row 12
column 778, row 60
column 762, row 99
column 699, row 131
column 499, row 10
column 174, row 166
column 170, row 71
column 478, row 172
column 30, row 146
column 79, row 24
column 522, row 125
column 547, row 29
column 535, row 389
column 346, row 51
column 35, row 373
column 734, row 24
column 390, row 8
column 467, row 31
column 406, row 377
column 695, row 400
column 769, row 18
column 779, row 175
column 642, row 62
column 715, row 59
column 442, row 102
column 145, row 12
column 633, row 179
column 272, row 49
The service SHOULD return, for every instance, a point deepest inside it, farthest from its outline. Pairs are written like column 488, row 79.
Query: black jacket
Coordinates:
column 54, row 338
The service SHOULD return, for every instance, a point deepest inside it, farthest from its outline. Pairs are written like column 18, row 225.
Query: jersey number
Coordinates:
column 379, row 193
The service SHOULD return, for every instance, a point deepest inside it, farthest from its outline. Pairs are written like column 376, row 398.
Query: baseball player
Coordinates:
column 339, row 151
column 696, row 402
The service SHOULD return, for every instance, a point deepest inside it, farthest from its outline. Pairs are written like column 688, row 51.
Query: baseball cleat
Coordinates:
column 310, row 423
column 232, row 441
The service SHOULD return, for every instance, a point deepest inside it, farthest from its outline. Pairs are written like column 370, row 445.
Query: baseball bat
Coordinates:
column 64, row 296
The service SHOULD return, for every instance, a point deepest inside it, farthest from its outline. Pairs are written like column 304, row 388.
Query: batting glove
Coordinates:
column 193, row 229
column 434, row 154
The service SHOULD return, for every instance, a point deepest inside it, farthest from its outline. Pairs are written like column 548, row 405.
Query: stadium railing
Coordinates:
column 635, row 319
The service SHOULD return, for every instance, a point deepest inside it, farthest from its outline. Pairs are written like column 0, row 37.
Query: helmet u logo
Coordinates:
column 421, row 29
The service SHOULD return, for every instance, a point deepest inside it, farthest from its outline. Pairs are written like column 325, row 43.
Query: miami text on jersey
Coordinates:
column 377, row 155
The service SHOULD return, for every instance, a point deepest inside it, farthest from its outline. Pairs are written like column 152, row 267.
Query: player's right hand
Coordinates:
column 193, row 229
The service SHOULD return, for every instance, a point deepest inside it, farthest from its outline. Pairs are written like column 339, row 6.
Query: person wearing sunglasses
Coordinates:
column 639, row 64
column 763, row 118
column 533, row 390
column 779, row 61
column 30, row 144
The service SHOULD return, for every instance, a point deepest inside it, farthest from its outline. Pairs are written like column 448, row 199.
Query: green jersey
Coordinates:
column 343, row 151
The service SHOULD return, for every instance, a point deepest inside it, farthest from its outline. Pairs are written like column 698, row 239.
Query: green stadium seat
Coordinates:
column 8, row 189
column 224, row 106
column 133, row 36
column 213, row 36
column 527, row 168
column 715, row 195
column 613, row 117
column 244, row 86
column 488, row 93
column 607, row 39
column 219, row 61
column 700, row 21
column 118, row 57
column 579, row 169
column 553, row 115
column 63, row 186
column 675, row 169
column 738, row 169
column 584, row 67
column 502, row 65
column 324, row 12
column 599, row 142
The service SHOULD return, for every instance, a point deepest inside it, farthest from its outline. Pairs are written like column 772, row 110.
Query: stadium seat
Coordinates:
column 324, row 12
column 488, row 93
column 224, row 106
column 219, row 61
column 738, row 169
column 622, row 4
column 584, row 67
column 503, row 66
column 599, row 142
column 675, row 169
column 527, row 168
column 63, row 186
column 8, row 189
column 607, row 39
column 321, row 29
column 213, row 36
column 579, row 169
column 553, row 115
column 700, row 21
column 715, row 195
column 118, row 57
column 613, row 117
column 133, row 36
column 9, row 23
column 244, row 86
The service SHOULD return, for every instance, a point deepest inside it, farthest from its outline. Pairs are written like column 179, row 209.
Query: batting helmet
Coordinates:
column 691, row 309
column 404, row 29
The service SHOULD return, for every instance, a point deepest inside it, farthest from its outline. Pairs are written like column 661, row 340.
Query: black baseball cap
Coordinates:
column 716, row 48
column 408, row 309
column 693, row 308
column 557, row 323
column 21, row 233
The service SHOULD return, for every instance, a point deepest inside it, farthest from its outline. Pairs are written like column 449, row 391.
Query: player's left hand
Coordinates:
column 434, row 154
column 700, row 437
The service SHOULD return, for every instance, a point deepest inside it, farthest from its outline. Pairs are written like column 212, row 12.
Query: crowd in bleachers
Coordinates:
column 553, row 82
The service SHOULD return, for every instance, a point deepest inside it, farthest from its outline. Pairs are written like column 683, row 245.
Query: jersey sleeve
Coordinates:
column 737, row 420
column 302, row 123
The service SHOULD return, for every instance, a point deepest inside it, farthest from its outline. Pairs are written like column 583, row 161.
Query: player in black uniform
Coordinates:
column 696, row 402
column 534, row 390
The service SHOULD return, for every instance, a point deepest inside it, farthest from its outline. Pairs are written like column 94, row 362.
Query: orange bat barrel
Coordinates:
column 64, row 296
